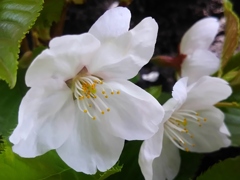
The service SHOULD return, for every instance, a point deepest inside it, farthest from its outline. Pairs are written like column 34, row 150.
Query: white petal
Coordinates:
column 200, row 63
column 65, row 58
column 89, row 147
column 224, row 130
column 124, row 56
column 206, row 92
column 111, row 24
column 208, row 137
column 179, row 92
column 200, row 35
column 150, row 149
column 167, row 165
column 134, row 114
column 46, row 117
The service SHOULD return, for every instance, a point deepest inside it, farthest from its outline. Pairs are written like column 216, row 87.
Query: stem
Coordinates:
column 228, row 104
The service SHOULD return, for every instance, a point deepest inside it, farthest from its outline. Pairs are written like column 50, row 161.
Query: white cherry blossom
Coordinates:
column 80, row 101
column 191, row 123
column 199, row 60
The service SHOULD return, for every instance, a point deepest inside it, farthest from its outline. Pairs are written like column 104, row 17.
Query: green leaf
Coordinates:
column 46, row 167
column 16, row 18
column 231, row 33
column 164, row 97
column 155, row 91
column 115, row 169
column 1, row 144
column 233, row 63
column 51, row 12
column 135, row 79
column 232, row 119
column 9, row 104
column 189, row 165
column 129, row 159
column 227, row 169
column 230, row 76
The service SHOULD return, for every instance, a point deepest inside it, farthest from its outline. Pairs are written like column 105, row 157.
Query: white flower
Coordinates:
column 199, row 61
column 191, row 123
column 80, row 102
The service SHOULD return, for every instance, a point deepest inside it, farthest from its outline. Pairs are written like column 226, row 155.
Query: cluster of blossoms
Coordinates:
column 81, row 104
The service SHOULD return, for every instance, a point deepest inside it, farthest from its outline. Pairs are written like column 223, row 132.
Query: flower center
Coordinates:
column 91, row 93
column 176, row 128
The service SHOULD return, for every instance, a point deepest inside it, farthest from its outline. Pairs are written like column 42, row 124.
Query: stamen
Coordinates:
column 178, row 124
column 87, row 91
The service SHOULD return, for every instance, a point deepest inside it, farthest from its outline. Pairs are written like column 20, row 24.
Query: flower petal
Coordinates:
column 134, row 114
column 179, row 92
column 200, row 35
column 124, row 56
column 150, row 149
column 206, row 92
column 111, row 24
column 46, row 117
column 207, row 137
column 65, row 58
column 200, row 63
column 167, row 165
column 89, row 147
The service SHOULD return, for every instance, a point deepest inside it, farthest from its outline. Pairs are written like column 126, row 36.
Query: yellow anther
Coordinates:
column 81, row 97
column 184, row 122
column 88, row 96
column 89, row 105
column 191, row 136
column 94, row 118
column 205, row 119
column 102, row 112
column 108, row 109
column 101, row 82
column 200, row 125
column 112, row 92
column 186, row 149
column 95, row 96
column 106, row 96
column 118, row 92
column 193, row 145
column 103, row 92
column 197, row 114
column 85, row 111
column 198, row 120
